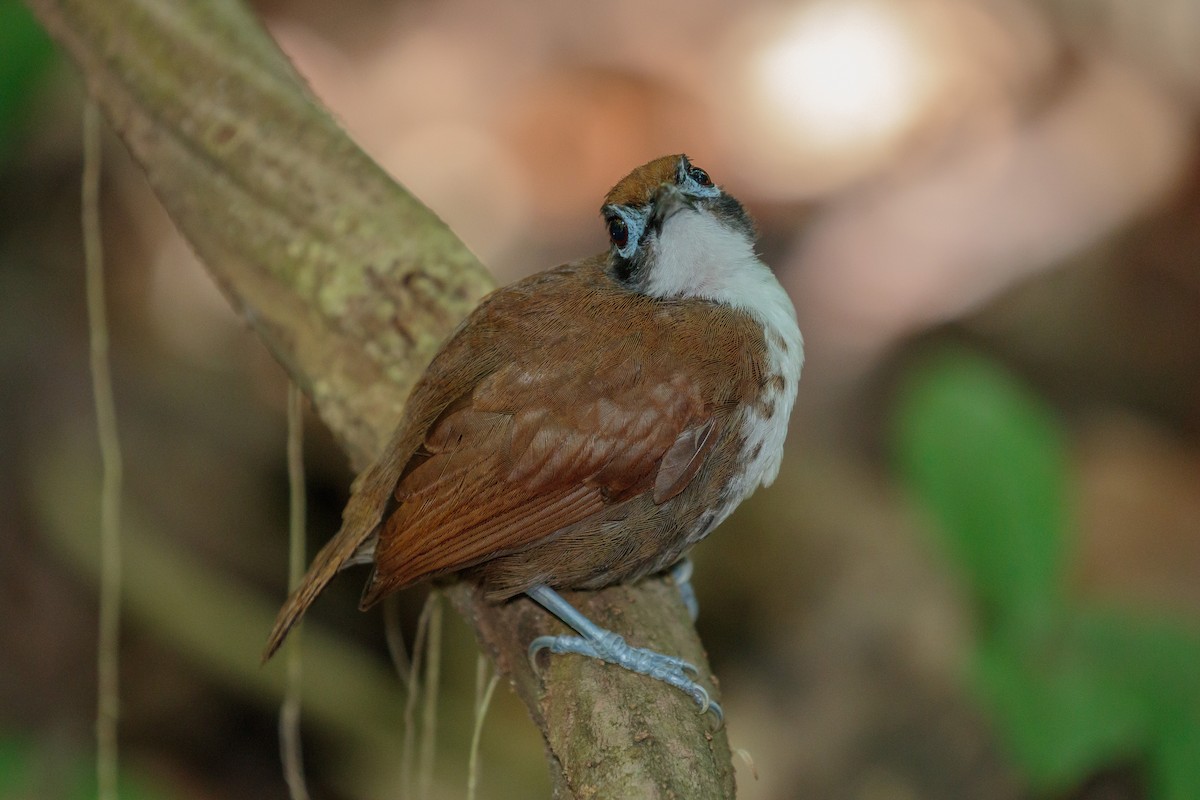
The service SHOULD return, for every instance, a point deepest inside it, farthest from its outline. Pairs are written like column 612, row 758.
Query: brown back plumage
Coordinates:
column 565, row 408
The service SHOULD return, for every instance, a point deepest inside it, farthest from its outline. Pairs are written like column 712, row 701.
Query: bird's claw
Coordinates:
column 614, row 650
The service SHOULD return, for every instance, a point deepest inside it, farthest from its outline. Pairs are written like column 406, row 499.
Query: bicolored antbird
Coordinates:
column 587, row 425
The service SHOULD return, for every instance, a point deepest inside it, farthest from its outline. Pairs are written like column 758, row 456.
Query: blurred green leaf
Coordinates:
column 1157, row 662
column 1071, row 690
column 1157, row 657
column 1105, row 688
column 987, row 459
column 1061, row 714
column 131, row 787
column 1175, row 768
column 15, row 774
column 22, row 765
column 25, row 54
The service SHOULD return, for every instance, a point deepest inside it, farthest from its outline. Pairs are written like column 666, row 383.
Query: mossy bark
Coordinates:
column 353, row 283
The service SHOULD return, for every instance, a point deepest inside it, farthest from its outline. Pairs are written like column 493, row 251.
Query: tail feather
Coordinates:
column 327, row 564
column 360, row 519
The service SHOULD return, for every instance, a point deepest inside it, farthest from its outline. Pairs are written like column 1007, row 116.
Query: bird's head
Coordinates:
column 673, row 232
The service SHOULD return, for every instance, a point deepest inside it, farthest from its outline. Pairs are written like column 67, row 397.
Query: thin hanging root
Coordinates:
column 433, row 670
column 290, row 749
column 410, row 703
column 108, row 648
column 395, row 641
column 483, row 699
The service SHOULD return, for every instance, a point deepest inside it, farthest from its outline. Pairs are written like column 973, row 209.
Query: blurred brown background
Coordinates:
column 1018, row 176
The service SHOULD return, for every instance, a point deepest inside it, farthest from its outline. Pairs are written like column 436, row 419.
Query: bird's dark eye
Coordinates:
column 618, row 232
column 700, row 176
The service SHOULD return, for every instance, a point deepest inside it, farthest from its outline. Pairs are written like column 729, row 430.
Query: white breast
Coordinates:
column 765, row 425
column 698, row 256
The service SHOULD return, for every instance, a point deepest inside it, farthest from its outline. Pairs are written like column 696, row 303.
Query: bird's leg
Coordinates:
column 681, row 573
column 607, row 646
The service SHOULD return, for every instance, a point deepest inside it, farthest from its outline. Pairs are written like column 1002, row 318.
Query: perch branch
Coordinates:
column 353, row 283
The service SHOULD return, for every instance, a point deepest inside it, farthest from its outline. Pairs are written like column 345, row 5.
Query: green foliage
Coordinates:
column 25, row 54
column 23, row 768
column 16, row 779
column 1070, row 689
column 989, row 462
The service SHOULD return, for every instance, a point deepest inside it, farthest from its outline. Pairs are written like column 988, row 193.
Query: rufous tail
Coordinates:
column 360, row 520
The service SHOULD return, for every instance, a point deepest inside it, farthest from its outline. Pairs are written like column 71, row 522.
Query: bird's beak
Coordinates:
column 668, row 200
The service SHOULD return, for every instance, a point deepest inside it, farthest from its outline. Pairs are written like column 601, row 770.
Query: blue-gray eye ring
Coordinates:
column 618, row 232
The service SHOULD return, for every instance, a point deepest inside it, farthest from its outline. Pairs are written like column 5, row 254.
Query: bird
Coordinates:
column 587, row 425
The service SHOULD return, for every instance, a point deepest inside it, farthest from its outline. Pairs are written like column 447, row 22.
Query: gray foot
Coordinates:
column 605, row 645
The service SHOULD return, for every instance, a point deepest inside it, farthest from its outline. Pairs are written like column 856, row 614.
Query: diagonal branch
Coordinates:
column 353, row 283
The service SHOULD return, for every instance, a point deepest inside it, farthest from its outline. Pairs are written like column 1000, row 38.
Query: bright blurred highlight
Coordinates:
column 843, row 74
column 829, row 92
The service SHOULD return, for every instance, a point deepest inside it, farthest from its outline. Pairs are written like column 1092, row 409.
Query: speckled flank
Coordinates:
column 698, row 256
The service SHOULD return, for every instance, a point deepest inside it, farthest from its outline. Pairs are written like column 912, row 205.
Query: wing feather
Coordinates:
column 541, row 446
column 503, row 445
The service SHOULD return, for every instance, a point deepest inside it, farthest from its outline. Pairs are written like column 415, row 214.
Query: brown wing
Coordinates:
column 491, row 456
column 541, row 445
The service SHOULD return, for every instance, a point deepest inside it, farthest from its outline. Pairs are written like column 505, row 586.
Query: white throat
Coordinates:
column 698, row 256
